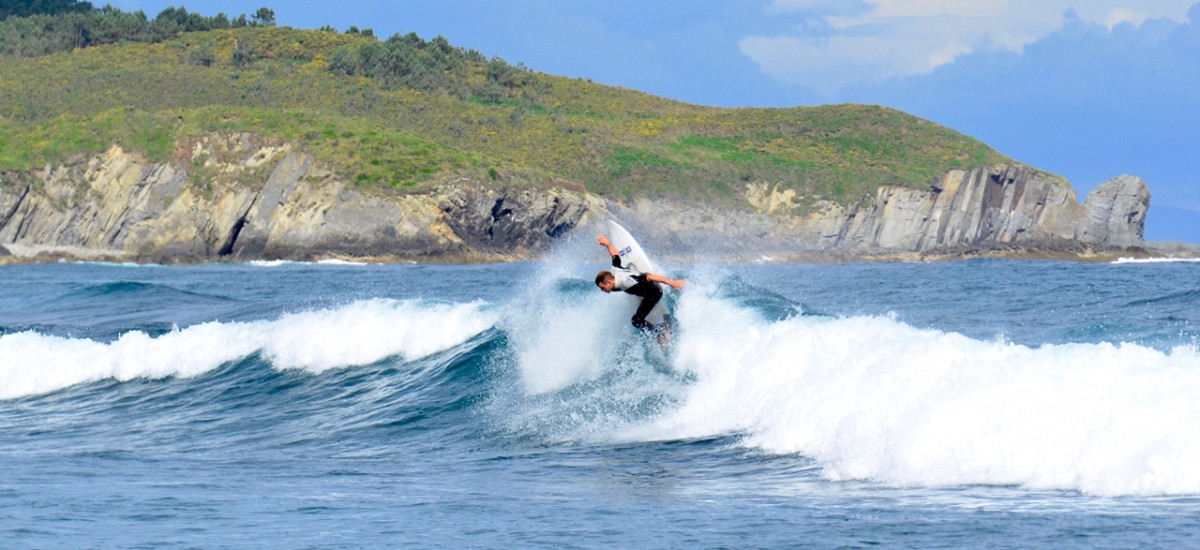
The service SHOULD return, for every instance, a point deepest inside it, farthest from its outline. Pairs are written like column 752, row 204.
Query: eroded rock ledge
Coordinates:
column 239, row 197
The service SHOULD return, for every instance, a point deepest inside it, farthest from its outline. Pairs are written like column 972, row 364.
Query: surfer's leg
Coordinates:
column 652, row 293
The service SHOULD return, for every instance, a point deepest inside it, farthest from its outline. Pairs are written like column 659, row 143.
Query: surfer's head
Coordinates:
column 606, row 281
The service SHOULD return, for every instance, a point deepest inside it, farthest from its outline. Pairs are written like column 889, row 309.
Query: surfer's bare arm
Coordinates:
column 603, row 241
column 612, row 250
column 656, row 278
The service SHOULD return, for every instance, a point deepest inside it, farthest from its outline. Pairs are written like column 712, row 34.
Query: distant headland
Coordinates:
column 186, row 138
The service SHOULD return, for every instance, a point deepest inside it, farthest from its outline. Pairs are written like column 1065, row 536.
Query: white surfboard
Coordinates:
column 634, row 258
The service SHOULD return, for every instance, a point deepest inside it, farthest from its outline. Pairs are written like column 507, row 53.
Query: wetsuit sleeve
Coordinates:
column 616, row 260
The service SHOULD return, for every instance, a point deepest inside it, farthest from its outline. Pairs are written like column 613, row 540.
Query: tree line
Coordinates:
column 25, row 8
column 433, row 65
column 30, row 28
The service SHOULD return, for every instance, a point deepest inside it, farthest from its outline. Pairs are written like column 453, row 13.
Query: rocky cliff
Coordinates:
column 239, row 197
column 242, row 197
column 993, row 205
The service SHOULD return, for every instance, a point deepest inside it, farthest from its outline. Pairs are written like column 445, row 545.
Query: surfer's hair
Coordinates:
column 604, row 276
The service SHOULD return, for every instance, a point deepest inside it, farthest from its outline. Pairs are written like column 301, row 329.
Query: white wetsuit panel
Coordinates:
column 625, row 279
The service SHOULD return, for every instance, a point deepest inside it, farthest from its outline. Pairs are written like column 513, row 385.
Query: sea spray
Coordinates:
column 582, row 372
column 566, row 339
column 564, row 330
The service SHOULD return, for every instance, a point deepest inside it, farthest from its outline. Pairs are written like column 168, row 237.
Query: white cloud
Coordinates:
column 1123, row 15
column 807, row 62
column 825, row 7
column 932, row 8
column 874, row 40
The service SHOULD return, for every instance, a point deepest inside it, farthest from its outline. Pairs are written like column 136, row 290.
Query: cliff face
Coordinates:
column 115, row 206
column 239, row 197
column 1001, row 204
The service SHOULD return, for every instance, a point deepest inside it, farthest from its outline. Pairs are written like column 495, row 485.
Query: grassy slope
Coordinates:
column 618, row 142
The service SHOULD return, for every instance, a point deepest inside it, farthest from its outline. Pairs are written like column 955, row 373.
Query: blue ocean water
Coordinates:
column 981, row 404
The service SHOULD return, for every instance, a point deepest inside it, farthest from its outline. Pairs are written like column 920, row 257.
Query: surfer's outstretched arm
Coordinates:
column 652, row 277
column 612, row 250
column 603, row 241
column 675, row 283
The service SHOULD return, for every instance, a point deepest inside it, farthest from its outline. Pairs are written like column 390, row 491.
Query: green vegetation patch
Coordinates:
column 33, row 145
column 351, row 146
column 358, row 148
column 625, row 161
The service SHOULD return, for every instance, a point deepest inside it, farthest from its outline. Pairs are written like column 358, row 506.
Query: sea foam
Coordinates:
column 1125, row 260
column 871, row 398
column 356, row 334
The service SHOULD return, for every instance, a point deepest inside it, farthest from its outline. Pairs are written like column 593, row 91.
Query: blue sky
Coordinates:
column 1088, row 90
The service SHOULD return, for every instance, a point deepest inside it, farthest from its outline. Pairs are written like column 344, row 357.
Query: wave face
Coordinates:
column 357, row 334
column 784, row 382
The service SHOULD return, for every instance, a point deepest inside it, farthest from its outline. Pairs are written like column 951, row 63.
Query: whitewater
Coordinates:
column 990, row 404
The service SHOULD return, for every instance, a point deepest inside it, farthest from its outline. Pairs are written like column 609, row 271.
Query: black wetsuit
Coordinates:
column 650, row 292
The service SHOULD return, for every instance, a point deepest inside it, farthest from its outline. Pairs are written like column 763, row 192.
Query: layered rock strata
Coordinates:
column 1001, row 204
column 239, row 197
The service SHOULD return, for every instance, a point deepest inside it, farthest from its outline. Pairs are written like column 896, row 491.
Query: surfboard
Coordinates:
column 632, row 255
column 634, row 258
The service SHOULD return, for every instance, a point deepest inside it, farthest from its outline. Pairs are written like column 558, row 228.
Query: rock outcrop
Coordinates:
column 241, row 197
column 115, row 206
column 1116, row 212
column 1001, row 204
column 518, row 220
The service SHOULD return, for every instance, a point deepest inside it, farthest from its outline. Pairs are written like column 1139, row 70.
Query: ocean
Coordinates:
column 971, row 404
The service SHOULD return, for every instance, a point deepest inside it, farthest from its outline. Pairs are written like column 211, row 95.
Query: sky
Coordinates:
column 1088, row 90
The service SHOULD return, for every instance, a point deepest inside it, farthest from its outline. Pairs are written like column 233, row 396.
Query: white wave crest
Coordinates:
column 1124, row 260
column 357, row 334
column 282, row 263
column 871, row 398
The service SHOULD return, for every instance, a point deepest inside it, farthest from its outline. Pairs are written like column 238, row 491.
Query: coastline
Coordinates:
column 118, row 207
column 44, row 254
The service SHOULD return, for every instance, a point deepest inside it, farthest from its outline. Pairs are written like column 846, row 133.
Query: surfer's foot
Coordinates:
column 663, row 335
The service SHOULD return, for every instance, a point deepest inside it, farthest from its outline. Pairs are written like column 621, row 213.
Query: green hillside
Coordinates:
column 404, row 113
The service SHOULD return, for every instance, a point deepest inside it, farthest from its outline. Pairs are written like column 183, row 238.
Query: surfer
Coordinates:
column 638, row 284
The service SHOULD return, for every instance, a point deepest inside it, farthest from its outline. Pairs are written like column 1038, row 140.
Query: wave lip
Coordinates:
column 356, row 334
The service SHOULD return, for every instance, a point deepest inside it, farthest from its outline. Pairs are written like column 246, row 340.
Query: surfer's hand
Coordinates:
column 677, row 284
column 602, row 240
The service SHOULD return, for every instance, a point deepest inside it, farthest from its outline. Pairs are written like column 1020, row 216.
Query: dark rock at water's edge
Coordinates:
column 211, row 204
column 510, row 220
